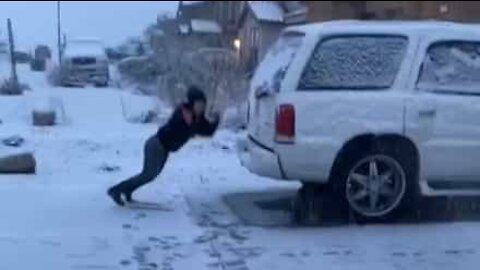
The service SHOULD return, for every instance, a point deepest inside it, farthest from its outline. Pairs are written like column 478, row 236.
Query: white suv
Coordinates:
column 379, row 111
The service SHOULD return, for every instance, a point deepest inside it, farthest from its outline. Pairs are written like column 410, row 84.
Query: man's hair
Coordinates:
column 195, row 94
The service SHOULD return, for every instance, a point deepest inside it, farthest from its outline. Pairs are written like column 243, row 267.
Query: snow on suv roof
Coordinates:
column 407, row 27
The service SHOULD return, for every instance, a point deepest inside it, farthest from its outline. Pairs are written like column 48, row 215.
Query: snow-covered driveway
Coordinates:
column 61, row 218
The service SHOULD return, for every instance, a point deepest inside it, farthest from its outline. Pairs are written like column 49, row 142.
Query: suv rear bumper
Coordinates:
column 259, row 159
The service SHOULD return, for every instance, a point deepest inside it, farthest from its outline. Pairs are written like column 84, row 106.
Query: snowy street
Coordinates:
column 214, row 214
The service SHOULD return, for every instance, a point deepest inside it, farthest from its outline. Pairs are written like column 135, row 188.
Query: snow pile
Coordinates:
column 43, row 104
column 205, row 26
column 225, row 140
column 235, row 117
column 267, row 11
column 142, row 109
column 183, row 28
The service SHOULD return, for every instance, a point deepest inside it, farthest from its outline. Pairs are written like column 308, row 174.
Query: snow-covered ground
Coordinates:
column 215, row 214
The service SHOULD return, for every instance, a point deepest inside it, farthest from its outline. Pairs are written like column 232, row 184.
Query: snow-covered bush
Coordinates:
column 10, row 87
column 145, row 117
column 141, row 69
column 54, row 76
column 140, row 109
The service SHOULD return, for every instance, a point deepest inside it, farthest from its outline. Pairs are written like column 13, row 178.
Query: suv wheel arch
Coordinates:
column 368, row 142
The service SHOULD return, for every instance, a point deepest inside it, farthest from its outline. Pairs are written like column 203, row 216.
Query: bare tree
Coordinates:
column 216, row 71
column 196, row 59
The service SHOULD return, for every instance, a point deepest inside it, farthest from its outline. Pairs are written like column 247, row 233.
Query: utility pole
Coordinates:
column 12, row 52
column 59, row 38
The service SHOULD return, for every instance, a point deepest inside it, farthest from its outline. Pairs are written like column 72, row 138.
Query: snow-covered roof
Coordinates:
column 183, row 28
column 205, row 26
column 267, row 11
column 189, row 3
column 84, row 47
column 399, row 27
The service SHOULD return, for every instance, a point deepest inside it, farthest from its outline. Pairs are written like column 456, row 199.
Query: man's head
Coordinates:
column 196, row 100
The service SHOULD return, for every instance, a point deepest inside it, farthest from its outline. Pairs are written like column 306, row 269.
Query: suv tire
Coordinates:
column 378, row 186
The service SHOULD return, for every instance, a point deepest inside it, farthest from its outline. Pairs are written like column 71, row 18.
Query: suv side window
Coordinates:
column 451, row 67
column 354, row 62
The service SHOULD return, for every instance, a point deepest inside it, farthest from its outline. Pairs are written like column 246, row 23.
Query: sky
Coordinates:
column 112, row 22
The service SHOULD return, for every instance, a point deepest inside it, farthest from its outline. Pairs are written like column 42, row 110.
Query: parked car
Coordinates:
column 376, row 113
column 84, row 61
column 41, row 55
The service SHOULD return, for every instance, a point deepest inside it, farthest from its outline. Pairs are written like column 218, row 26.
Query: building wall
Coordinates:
column 204, row 10
column 393, row 9
column 247, row 49
column 333, row 10
column 225, row 13
column 319, row 10
column 463, row 11
column 251, row 51
column 269, row 34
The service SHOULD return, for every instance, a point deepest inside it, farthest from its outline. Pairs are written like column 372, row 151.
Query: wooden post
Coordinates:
column 12, row 52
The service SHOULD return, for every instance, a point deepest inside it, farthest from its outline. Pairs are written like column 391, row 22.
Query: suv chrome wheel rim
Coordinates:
column 375, row 186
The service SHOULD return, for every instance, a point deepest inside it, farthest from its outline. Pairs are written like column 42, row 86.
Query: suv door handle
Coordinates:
column 427, row 112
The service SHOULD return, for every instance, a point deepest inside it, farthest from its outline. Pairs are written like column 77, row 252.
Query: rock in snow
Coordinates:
column 13, row 141
column 21, row 163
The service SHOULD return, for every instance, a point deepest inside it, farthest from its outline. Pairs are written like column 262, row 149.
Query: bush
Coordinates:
column 10, row 87
column 142, row 69
column 54, row 77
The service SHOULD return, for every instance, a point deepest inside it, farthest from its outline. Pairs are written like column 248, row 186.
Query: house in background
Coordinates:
column 463, row 11
column 260, row 24
column 251, row 27
column 219, row 17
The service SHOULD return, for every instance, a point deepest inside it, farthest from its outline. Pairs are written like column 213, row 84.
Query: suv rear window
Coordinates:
column 354, row 62
column 451, row 66
column 271, row 71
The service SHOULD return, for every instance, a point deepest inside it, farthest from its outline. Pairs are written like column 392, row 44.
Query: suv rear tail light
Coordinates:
column 285, row 124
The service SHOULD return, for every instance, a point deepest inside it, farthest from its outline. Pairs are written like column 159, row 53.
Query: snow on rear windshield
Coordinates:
column 354, row 62
column 451, row 66
column 271, row 70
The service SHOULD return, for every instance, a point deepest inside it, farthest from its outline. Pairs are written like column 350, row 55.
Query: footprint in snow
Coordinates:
column 399, row 254
column 331, row 253
column 125, row 262
column 140, row 216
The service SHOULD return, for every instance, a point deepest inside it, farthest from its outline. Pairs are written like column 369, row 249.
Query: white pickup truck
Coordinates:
column 378, row 112
column 84, row 61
